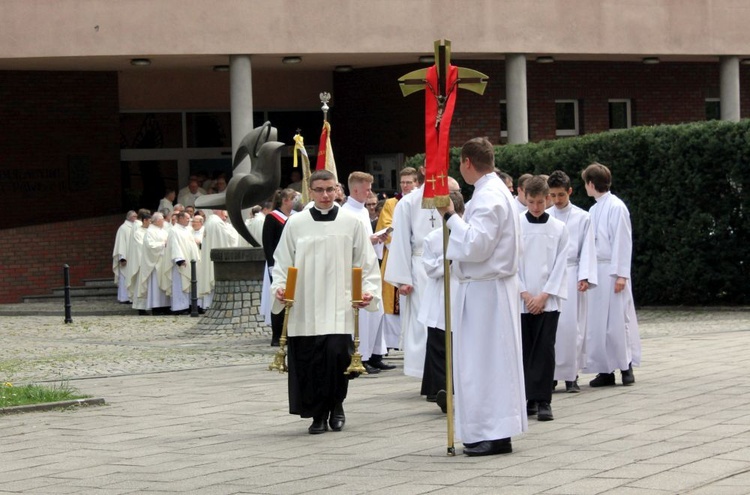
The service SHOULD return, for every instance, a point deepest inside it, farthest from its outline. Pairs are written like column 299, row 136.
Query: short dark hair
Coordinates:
column 558, row 178
column 321, row 175
column 599, row 175
column 458, row 202
column 536, row 186
column 481, row 153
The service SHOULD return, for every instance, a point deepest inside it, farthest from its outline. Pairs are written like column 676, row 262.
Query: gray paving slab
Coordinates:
column 201, row 414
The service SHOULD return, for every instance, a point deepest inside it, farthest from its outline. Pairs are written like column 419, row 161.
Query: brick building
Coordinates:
column 105, row 104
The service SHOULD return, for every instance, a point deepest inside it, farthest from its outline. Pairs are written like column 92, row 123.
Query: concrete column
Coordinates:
column 729, row 88
column 241, row 98
column 515, row 97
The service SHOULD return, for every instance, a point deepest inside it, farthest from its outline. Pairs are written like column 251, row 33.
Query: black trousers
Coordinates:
column 316, row 373
column 433, row 378
column 538, row 340
column 277, row 325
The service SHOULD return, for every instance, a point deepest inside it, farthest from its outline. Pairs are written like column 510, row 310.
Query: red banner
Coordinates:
column 437, row 137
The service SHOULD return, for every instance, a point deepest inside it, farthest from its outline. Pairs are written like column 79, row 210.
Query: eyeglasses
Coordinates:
column 371, row 204
column 321, row 190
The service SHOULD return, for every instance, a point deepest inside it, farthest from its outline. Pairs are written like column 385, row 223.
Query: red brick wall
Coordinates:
column 59, row 146
column 33, row 257
column 370, row 116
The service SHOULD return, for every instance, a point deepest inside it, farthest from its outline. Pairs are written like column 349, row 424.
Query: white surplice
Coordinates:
column 411, row 224
column 544, row 263
column 371, row 339
column 217, row 234
column 432, row 310
column 120, row 252
column 612, row 338
column 324, row 253
column 148, row 294
column 175, row 281
column 571, row 327
column 490, row 400
column 135, row 250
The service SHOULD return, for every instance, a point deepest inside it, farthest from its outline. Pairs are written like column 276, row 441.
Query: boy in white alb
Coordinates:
column 571, row 327
column 543, row 285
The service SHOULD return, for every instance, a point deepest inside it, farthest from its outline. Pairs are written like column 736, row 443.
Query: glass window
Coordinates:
column 713, row 109
column 619, row 114
column 209, row 129
column 566, row 117
column 150, row 130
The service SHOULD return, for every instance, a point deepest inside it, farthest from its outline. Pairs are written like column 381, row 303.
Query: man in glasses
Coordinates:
column 324, row 243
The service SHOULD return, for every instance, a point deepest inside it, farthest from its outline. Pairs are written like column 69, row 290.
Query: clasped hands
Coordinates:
column 535, row 304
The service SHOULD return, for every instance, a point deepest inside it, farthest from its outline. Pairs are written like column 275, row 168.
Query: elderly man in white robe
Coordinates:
column 120, row 255
column 612, row 339
column 484, row 247
column 148, row 294
column 135, row 250
column 218, row 233
column 405, row 271
column 324, row 243
column 581, row 260
column 372, row 341
column 176, row 275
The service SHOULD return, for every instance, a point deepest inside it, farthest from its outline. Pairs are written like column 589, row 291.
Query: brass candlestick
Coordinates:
column 279, row 360
column 356, row 366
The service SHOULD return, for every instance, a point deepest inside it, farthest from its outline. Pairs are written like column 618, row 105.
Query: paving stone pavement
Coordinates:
column 193, row 414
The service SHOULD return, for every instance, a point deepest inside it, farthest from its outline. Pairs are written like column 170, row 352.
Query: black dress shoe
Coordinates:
column 274, row 343
column 338, row 419
column 489, row 447
column 318, row 426
column 431, row 398
column 628, row 378
column 531, row 407
column 381, row 365
column 572, row 387
column 442, row 400
column 603, row 380
column 370, row 370
column 545, row 412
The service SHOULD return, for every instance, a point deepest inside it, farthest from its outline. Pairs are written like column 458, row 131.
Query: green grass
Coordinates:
column 36, row 394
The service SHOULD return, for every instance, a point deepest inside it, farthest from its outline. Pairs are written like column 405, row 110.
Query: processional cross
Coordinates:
column 440, row 83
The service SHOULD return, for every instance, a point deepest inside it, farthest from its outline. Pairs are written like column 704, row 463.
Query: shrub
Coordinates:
column 687, row 190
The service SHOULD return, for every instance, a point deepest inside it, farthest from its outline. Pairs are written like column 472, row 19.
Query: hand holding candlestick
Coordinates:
column 287, row 295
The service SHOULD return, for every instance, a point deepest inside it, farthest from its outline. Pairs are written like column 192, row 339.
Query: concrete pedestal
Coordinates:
column 235, row 309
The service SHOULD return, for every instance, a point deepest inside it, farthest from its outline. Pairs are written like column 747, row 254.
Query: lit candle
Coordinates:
column 291, row 283
column 356, row 284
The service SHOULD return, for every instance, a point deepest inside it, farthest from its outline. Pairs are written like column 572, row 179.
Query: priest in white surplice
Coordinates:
column 371, row 338
column 120, row 255
column 324, row 243
column 135, row 251
column 148, row 294
column 571, row 327
column 612, row 339
column 487, row 362
column 182, row 250
column 218, row 233
column 405, row 271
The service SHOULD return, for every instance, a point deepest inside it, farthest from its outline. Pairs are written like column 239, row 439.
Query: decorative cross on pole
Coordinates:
column 440, row 83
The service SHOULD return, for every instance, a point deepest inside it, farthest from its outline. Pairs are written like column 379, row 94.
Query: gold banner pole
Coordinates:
column 448, row 343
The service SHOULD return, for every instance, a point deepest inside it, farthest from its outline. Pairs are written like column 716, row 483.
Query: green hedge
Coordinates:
column 687, row 187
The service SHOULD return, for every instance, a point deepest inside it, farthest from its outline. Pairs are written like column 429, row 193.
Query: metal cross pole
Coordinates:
column 411, row 83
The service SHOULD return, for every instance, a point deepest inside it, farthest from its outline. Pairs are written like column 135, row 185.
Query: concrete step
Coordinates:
column 99, row 282
column 85, row 291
